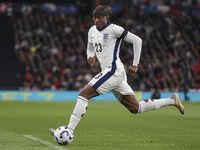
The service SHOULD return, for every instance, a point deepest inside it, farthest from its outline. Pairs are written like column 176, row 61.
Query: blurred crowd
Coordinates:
column 51, row 48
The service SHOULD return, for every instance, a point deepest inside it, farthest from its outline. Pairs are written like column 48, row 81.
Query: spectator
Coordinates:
column 54, row 47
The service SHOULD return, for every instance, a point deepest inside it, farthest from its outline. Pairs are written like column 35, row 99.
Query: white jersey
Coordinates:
column 106, row 45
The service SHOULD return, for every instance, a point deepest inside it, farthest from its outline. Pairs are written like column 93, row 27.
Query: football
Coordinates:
column 63, row 135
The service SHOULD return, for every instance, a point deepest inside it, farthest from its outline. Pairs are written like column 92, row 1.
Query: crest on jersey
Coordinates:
column 105, row 36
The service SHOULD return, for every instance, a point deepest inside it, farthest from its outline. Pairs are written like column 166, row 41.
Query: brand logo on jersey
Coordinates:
column 105, row 36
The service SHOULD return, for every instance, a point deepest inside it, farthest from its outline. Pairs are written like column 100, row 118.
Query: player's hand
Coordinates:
column 91, row 60
column 132, row 70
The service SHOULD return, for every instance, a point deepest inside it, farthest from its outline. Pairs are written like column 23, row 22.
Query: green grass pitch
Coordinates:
column 107, row 125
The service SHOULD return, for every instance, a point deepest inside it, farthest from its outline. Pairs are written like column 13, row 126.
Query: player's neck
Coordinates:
column 108, row 23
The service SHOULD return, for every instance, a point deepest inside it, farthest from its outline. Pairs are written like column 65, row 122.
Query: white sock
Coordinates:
column 150, row 104
column 79, row 111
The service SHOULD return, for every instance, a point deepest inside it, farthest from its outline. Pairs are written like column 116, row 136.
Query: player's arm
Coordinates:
column 119, row 32
column 91, row 57
column 137, row 47
column 90, row 50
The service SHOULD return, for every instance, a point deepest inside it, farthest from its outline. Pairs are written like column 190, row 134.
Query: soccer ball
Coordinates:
column 63, row 135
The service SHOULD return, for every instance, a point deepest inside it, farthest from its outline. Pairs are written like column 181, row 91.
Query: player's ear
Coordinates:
column 107, row 17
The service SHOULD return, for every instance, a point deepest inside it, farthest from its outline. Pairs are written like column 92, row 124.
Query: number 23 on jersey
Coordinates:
column 98, row 47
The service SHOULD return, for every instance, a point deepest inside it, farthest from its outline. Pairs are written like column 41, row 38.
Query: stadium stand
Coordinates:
column 51, row 48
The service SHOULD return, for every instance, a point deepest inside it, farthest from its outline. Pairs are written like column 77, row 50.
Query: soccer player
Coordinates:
column 104, row 39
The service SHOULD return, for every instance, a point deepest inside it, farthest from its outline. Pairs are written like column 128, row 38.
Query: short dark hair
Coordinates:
column 108, row 11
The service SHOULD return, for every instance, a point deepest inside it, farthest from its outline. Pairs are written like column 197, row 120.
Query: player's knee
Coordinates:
column 83, row 93
column 88, row 92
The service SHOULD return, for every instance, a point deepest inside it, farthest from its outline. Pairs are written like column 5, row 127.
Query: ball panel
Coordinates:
column 63, row 135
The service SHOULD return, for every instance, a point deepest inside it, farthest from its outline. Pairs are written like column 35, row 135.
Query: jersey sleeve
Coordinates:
column 117, row 31
column 90, row 48
column 90, row 36
column 137, row 46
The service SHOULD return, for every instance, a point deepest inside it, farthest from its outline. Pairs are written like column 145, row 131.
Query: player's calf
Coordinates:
column 134, row 109
column 130, row 102
column 151, row 104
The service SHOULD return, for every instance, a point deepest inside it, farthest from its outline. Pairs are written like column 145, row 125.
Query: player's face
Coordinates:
column 100, row 21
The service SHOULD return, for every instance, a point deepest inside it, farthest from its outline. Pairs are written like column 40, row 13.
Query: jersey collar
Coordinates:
column 105, row 26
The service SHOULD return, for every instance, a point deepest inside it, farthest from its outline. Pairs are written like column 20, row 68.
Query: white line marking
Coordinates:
column 45, row 142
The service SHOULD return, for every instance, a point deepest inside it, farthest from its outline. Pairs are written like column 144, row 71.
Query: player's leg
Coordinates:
column 100, row 84
column 126, row 96
column 81, row 105
column 130, row 102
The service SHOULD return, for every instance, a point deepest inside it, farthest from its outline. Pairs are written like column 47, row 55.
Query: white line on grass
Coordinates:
column 45, row 142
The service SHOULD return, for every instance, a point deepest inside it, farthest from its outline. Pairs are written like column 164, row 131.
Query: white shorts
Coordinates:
column 107, row 80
